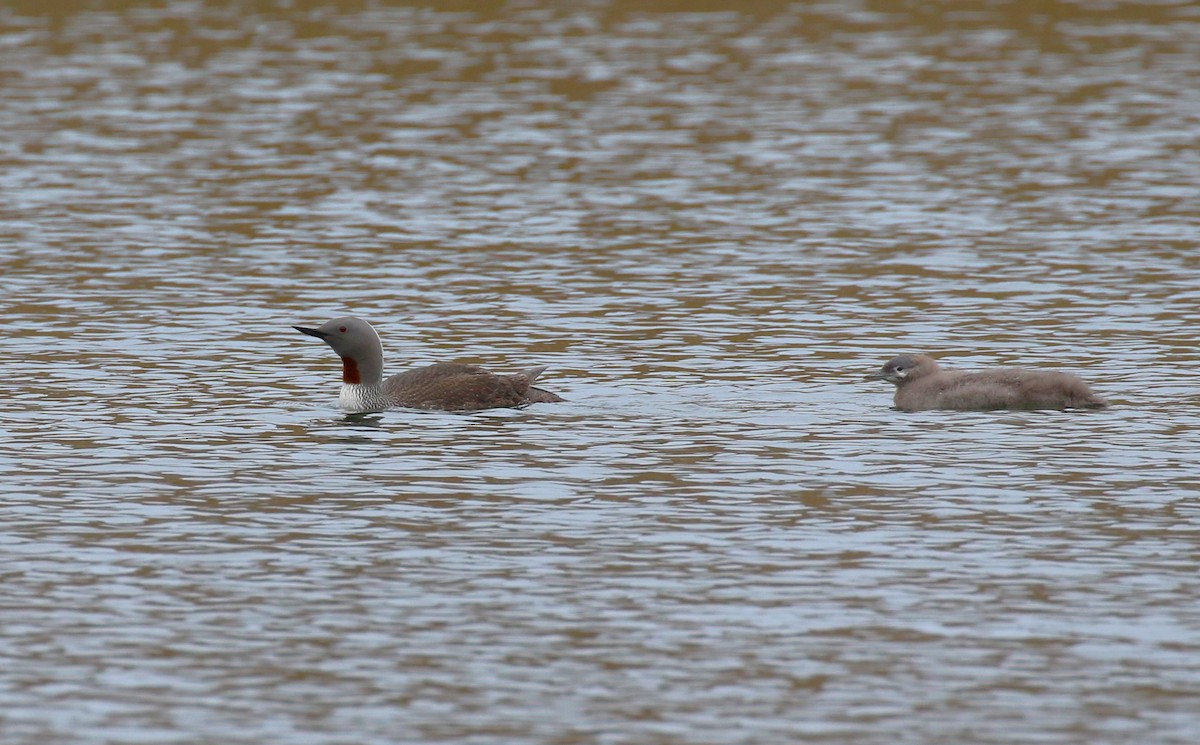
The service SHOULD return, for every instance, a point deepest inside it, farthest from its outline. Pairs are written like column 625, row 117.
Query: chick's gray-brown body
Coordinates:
column 446, row 386
column 921, row 384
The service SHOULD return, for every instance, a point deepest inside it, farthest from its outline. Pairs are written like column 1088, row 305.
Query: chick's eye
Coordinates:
column 342, row 329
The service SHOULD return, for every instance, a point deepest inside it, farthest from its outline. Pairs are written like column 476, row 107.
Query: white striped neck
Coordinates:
column 359, row 398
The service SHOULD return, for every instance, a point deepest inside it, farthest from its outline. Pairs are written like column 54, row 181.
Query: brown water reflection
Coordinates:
column 710, row 222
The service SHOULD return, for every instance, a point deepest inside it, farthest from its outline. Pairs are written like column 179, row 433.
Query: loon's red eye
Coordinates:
column 342, row 329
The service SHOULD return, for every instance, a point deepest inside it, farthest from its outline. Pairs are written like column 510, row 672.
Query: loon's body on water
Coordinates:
column 921, row 384
column 445, row 386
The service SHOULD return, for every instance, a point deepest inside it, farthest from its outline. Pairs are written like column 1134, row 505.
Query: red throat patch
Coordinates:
column 350, row 371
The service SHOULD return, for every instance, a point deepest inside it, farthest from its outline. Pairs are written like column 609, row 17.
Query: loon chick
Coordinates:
column 921, row 384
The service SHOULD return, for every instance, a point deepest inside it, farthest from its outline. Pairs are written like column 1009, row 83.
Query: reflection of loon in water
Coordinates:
column 448, row 386
column 921, row 384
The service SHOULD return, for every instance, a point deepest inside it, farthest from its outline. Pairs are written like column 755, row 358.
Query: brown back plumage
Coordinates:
column 453, row 386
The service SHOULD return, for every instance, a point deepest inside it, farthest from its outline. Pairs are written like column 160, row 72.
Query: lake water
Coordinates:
column 711, row 224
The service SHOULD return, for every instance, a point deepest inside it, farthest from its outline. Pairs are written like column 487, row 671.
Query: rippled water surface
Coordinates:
column 711, row 224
